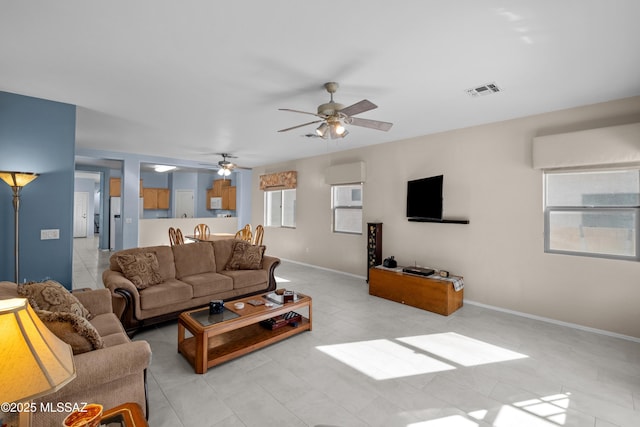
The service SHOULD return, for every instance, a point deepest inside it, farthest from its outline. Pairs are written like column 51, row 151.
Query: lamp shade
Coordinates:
column 17, row 179
column 33, row 361
column 322, row 129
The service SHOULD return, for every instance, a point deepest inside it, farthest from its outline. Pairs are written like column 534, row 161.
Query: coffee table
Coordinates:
column 219, row 338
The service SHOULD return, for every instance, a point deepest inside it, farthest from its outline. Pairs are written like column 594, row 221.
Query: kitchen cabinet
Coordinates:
column 114, row 187
column 219, row 185
column 229, row 198
column 222, row 195
column 156, row 198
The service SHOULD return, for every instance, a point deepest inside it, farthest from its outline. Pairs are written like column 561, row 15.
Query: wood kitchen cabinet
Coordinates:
column 114, row 187
column 222, row 189
column 219, row 185
column 156, row 198
column 229, row 198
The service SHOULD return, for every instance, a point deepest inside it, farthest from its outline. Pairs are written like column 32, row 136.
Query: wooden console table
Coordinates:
column 432, row 293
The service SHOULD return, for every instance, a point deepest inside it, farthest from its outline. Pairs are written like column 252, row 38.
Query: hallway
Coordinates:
column 88, row 262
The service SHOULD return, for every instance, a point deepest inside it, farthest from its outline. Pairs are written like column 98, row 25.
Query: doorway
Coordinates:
column 80, row 210
column 184, row 204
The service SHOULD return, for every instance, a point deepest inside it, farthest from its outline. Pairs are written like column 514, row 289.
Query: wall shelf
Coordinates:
column 442, row 221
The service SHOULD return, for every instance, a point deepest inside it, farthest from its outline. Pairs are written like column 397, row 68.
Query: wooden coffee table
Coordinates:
column 219, row 338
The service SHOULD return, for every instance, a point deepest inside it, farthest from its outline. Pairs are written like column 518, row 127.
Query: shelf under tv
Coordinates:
column 443, row 221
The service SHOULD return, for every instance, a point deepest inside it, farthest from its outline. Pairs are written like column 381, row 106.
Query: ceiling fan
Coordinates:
column 226, row 166
column 334, row 116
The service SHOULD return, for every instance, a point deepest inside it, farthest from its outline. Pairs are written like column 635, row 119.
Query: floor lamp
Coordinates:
column 16, row 181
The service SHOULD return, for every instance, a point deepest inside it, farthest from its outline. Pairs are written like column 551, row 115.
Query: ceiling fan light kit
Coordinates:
column 226, row 167
column 334, row 116
column 322, row 130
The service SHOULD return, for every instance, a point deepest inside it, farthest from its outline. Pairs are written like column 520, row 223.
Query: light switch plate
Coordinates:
column 50, row 234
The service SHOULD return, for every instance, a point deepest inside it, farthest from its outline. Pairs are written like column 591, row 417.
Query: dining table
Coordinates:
column 211, row 238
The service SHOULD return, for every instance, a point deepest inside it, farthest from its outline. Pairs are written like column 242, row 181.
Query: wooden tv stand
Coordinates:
column 431, row 293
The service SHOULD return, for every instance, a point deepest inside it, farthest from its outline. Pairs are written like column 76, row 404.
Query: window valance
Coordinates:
column 349, row 173
column 614, row 145
column 279, row 181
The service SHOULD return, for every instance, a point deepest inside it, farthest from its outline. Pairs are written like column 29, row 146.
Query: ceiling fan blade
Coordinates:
column 358, row 107
column 373, row 124
column 303, row 112
column 299, row 126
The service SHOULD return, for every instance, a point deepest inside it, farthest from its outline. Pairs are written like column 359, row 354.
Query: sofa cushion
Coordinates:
column 141, row 269
column 107, row 324
column 75, row 330
column 245, row 256
column 208, row 283
column 115, row 339
column 246, row 278
column 50, row 295
column 193, row 258
column 165, row 294
column 223, row 250
column 164, row 254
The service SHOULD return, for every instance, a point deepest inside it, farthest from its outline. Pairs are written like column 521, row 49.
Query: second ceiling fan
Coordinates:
column 334, row 117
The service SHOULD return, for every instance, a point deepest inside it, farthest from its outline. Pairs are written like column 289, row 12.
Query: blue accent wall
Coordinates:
column 37, row 135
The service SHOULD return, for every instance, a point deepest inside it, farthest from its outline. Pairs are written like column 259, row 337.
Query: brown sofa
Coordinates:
column 191, row 276
column 101, row 375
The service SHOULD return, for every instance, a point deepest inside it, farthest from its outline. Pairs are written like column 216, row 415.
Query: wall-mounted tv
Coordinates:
column 424, row 198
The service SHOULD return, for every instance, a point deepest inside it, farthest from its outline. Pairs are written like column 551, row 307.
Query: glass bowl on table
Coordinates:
column 89, row 416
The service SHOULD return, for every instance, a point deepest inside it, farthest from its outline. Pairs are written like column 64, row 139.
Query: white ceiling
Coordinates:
column 185, row 79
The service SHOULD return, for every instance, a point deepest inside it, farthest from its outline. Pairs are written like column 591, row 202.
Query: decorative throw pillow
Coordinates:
column 52, row 296
column 142, row 269
column 76, row 331
column 245, row 256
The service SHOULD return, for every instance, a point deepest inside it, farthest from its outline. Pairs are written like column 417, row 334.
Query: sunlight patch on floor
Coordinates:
column 281, row 280
column 462, row 350
column 383, row 359
column 553, row 408
column 510, row 417
column 547, row 411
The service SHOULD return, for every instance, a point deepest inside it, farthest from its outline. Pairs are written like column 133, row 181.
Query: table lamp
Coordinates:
column 33, row 361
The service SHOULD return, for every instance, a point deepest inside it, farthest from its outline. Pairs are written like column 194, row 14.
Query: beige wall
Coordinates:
column 489, row 180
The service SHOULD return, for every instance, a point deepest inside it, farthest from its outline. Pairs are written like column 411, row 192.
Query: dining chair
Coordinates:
column 175, row 236
column 257, row 237
column 202, row 231
column 244, row 233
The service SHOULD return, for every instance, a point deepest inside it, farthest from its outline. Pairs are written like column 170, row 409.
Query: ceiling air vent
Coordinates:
column 487, row 89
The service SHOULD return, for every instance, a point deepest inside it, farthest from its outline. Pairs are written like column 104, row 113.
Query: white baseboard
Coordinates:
column 504, row 310
column 324, row 268
column 554, row 321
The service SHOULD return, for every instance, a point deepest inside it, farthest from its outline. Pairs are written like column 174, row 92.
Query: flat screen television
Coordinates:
column 424, row 198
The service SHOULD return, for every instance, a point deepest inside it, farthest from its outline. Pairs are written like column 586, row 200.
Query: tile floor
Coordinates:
column 372, row 362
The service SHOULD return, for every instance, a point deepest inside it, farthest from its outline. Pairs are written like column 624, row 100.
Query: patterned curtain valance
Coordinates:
column 279, row 181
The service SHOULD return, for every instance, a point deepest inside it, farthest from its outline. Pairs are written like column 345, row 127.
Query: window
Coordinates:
column 593, row 213
column 280, row 208
column 346, row 203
